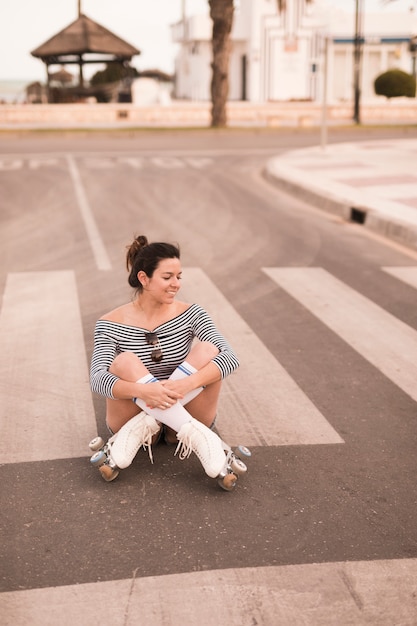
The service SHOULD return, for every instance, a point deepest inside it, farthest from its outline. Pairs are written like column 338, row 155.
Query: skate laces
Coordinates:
column 206, row 445
column 184, row 447
column 190, row 441
column 143, row 433
column 147, row 443
column 149, row 429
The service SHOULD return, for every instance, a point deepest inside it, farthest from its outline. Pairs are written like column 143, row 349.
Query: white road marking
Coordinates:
column 111, row 162
column 35, row 164
column 199, row 163
column 10, row 164
column 168, row 162
column 97, row 245
column 382, row 339
column 349, row 593
column 135, row 162
column 198, row 152
column 260, row 403
column 46, row 410
column 407, row 274
column 98, row 163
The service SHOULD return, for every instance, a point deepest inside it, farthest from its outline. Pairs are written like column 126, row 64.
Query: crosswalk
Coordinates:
column 264, row 405
column 407, row 274
column 44, row 379
column 356, row 593
column 176, row 159
column 386, row 342
column 46, row 410
column 102, row 162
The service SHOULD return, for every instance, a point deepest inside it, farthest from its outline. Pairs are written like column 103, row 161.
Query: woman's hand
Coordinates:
column 181, row 386
column 158, row 395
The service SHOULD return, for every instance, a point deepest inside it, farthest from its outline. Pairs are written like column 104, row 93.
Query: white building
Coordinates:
column 280, row 56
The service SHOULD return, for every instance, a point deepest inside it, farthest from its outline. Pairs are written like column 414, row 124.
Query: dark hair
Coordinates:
column 145, row 257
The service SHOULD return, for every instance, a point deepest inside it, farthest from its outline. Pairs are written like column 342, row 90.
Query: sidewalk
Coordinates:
column 373, row 183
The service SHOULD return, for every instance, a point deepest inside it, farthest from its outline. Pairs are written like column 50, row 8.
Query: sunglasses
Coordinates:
column 152, row 340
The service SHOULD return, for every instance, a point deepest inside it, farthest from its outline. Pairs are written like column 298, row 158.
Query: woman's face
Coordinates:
column 165, row 281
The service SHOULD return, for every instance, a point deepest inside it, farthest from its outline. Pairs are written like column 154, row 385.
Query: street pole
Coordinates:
column 357, row 55
column 323, row 128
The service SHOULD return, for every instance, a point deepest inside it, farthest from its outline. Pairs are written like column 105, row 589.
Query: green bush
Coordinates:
column 394, row 84
column 112, row 73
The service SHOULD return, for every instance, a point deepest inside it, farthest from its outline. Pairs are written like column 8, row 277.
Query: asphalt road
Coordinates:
column 332, row 431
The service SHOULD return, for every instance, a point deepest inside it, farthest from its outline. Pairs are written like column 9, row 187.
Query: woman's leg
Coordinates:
column 129, row 367
column 192, row 435
column 204, row 406
column 118, row 412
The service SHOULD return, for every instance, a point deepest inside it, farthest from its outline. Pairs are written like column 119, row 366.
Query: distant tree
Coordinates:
column 113, row 73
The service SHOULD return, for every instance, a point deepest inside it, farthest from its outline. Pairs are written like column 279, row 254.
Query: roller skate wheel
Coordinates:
column 96, row 444
column 108, row 473
column 98, row 458
column 228, row 482
column 238, row 466
column 243, row 452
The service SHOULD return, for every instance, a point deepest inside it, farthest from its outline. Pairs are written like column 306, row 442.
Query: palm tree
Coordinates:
column 221, row 13
column 282, row 4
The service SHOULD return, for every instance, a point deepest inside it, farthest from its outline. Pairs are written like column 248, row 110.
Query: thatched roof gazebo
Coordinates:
column 84, row 41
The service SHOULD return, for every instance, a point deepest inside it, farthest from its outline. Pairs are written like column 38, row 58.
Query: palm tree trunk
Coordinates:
column 282, row 4
column 221, row 12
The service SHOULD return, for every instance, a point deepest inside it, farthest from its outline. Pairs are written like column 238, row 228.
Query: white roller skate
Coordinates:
column 216, row 457
column 120, row 450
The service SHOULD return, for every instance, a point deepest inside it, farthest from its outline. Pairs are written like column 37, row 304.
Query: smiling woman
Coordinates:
column 167, row 357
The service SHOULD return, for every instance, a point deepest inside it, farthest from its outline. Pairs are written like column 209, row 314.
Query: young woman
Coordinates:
column 160, row 363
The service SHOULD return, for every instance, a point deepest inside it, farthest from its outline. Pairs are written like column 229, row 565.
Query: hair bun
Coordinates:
column 141, row 240
column 138, row 243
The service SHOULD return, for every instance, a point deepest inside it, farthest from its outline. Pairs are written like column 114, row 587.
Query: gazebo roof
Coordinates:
column 84, row 36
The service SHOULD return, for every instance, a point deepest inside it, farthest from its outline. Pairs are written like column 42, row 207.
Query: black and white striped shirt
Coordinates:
column 175, row 338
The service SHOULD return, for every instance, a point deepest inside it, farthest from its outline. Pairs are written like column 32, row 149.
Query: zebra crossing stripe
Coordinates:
column 46, row 410
column 407, row 274
column 385, row 341
column 260, row 404
column 356, row 592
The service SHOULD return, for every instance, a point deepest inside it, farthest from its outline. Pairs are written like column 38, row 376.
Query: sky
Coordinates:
column 26, row 24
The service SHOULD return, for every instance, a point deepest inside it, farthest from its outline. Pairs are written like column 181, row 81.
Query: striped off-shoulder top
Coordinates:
column 175, row 338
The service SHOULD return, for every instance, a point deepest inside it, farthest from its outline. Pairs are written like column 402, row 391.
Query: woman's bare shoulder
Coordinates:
column 130, row 315
column 120, row 314
column 181, row 307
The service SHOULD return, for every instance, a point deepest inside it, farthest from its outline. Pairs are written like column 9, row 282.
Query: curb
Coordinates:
column 369, row 217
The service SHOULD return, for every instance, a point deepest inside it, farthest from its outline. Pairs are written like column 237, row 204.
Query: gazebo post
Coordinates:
column 48, row 80
column 81, row 75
